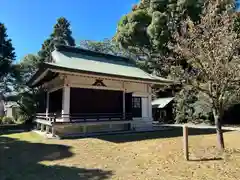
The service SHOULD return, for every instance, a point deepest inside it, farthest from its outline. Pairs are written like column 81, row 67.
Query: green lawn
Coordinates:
column 158, row 155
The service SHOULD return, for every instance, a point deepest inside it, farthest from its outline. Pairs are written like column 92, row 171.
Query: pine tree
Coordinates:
column 7, row 55
column 62, row 34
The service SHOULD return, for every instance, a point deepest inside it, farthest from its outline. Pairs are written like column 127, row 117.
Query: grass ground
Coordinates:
column 156, row 155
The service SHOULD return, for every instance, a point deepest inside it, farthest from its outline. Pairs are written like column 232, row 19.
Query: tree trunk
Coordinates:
column 218, row 123
column 2, row 113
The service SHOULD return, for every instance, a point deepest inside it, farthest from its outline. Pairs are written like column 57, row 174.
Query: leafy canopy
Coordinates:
column 147, row 29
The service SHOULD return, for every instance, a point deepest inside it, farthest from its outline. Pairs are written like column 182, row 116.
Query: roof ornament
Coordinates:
column 99, row 82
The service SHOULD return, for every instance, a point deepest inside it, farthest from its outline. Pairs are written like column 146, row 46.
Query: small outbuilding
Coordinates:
column 11, row 109
column 163, row 109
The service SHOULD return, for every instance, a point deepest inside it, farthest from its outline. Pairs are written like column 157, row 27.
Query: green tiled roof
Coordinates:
column 74, row 59
column 99, row 63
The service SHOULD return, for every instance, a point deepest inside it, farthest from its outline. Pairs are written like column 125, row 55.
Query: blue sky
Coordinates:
column 30, row 22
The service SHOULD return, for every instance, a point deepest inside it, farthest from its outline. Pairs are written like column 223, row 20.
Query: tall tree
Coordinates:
column 1, row 106
column 212, row 49
column 147, row 29
column 62, row 34
column 7, row 56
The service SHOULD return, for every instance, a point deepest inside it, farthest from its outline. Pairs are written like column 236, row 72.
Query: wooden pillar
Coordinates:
column 66, row 103
column 53, row 131
column 42, row 127
column 185, row 142
column 47, row 129
column 38, row 126
column 47, row 104
column 124, row 106
column 150, row 102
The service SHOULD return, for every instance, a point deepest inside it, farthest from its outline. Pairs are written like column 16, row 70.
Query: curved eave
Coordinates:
column 37, row 74
column 43, row 74
column 46, row 68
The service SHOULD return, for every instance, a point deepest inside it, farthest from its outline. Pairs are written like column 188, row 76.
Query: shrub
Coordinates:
column 20, row 120
column 7, row 120
column 1, row 119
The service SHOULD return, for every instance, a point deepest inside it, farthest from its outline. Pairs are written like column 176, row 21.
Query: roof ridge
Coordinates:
column 83, row 51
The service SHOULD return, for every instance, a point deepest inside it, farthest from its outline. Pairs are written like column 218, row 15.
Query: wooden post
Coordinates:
column 185, row 142
column 53, row 131
column 42, row 127
column 38, row 126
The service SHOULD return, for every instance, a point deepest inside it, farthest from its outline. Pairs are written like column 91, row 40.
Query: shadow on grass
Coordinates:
column 15, row 128
column 21, row 160
column 207, row 159
column 138, row 136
